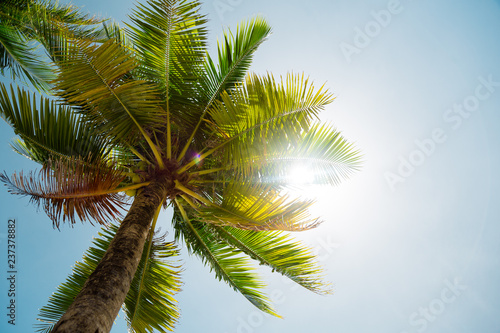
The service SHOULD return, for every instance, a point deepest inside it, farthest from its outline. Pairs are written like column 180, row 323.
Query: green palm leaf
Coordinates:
column 255, row 207
column 31, row 12
column 321, row 150
column 36, row 16
column 48, row 130
column 55, row 35
column 150, row 304
column 279, row 251
column 112, row 30
column 235, row 54
column 170, row 37
column 228, row 264
column 156, row 281
column 27, row 24
column 262, row 116
column 98, row 80
column 22, row 59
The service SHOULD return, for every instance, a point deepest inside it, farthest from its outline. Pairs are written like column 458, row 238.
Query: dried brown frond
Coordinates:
column 70, row 189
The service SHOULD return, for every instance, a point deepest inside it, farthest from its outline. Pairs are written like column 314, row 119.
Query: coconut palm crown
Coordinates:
column 153, row 115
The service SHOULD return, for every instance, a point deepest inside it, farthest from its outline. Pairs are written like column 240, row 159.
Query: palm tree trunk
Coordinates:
column 98, row 303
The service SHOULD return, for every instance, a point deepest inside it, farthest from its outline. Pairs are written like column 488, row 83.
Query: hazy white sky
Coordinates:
column 410, row 243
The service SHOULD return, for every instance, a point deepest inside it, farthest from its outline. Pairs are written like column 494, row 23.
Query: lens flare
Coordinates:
column 197, row 158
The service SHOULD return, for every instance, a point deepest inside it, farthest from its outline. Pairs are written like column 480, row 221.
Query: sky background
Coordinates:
column 411, row 242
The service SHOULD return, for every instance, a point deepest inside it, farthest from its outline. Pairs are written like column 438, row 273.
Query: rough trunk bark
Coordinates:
column 98, row 303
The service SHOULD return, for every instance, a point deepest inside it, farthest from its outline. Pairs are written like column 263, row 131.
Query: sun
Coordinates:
column 300, row 175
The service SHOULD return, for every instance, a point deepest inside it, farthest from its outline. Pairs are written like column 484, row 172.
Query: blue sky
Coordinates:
column 410, row 243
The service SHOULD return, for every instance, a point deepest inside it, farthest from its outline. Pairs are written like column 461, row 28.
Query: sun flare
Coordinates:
column 300, row 175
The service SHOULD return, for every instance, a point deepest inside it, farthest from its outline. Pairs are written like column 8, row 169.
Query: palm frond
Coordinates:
column 279, row 251
column 263, row 115
column 55, row 35
column 228, row 264
column 48, row 130
column 112, row 30
column 149, row 304
column 252, row 206
column 322, row 151
column 72, row 188
column 170, row 37
column 21, row 58
column 69, row 13
column 34, row 17
column 97, row 79
column 25, row 25
column 157, row 269
column 235, row 54
column 27, row 15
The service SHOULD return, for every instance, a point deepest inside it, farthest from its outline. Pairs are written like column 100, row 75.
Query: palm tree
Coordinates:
column 156, row 117
column 28, row 25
